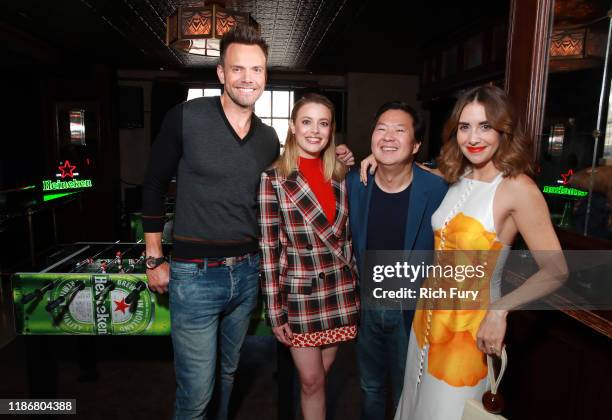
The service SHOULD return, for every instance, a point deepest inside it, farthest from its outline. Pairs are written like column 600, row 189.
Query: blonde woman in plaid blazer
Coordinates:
column 307, row 272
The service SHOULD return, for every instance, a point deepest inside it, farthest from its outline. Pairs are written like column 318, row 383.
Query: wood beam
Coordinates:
column 527, row 62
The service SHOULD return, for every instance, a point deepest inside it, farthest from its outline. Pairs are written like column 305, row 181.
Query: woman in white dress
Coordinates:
column 487, row 160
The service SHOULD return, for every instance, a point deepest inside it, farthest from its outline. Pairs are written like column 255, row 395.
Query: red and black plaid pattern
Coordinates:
column 307, row 266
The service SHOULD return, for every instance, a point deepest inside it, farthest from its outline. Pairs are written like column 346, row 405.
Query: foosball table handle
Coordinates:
column 54, row 303
column 107, row 288
column 38, row 292
column 79, row 285
column 140, row 286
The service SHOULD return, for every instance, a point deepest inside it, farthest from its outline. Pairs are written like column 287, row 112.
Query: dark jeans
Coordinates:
column 206, row 304
column 382, row 344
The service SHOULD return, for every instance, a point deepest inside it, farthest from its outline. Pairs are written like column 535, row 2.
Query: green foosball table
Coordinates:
column 98, row 289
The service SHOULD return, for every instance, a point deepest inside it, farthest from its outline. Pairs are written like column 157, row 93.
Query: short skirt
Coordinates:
column 323, row 338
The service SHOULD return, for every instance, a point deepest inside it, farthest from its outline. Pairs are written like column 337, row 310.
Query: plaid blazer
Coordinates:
column 308, row 274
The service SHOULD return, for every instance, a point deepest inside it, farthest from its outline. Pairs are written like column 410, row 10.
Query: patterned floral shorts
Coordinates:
column 322, row 338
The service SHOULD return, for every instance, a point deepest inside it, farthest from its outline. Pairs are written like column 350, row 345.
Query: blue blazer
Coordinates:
column 426, row 194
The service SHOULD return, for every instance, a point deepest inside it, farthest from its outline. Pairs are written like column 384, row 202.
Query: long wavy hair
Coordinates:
column 513, row 156
column 288, row 161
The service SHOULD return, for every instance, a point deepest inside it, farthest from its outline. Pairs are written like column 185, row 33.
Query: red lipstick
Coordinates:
column 474, row 149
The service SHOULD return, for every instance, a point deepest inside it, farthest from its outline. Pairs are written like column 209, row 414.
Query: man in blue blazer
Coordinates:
column 392, row 212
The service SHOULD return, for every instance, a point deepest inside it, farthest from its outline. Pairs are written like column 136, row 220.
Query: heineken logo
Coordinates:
column 566, row 176
column 134, row 318
column 78, row 318
column 563, row 190
column 49, row 185
column 92, row 303
column 66, row 170
column 98, row 310
column 102, row 308
column 67, row 180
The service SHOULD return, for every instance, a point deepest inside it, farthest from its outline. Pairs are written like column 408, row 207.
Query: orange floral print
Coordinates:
column 453, row 355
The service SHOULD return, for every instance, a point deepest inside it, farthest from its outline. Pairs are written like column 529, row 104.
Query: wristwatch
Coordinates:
column 154, row 262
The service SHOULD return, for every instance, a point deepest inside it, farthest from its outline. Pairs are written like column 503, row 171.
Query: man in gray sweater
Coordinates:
column 218, row 149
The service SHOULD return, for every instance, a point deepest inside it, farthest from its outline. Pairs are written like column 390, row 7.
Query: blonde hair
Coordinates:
column 513, row 157
column 287, row 163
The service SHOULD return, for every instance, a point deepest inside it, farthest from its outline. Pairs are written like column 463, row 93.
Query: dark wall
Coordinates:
column 33, row 85
column 96, row 86
column 164, row 96
column 23, row 149
column 439, row 111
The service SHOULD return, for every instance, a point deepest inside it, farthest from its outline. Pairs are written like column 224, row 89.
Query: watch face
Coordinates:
column 152, row 262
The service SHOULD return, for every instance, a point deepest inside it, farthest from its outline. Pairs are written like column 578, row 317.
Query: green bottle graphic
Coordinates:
column 98, row 307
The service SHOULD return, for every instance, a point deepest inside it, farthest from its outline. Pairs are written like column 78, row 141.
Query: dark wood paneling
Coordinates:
column 527, row 61
column 557, row 368
column 575, row 241
column 108, row 209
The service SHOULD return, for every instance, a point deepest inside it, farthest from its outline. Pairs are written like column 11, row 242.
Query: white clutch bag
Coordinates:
column 475, row 410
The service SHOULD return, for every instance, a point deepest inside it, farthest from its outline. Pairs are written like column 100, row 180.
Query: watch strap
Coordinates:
column 154, row 262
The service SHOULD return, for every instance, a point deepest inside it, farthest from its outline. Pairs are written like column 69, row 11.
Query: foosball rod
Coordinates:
column 38, row 292
column 102, row 295
column 140, row 286
column 65, row 259
column 79, row 285
column 132, row 266
column 119, row 255
column 86, row 260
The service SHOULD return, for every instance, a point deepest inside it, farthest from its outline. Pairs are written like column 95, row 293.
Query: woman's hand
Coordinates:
column 344, row 155
column 490, row 336
column 368, row 162
column 283, row 334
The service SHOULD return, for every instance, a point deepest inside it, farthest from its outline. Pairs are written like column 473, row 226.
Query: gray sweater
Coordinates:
column 217, row 179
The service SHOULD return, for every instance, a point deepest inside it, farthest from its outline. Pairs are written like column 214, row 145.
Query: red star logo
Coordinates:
column 567, row 176
column 121, row 305
column 67, row 169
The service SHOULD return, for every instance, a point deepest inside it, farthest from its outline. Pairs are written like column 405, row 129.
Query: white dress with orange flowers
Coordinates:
column 444, row 366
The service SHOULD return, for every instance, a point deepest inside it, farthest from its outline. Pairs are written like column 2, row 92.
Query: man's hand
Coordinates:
column 344, row 155
column 368, row 162
column 158, row 278
column 283, row 334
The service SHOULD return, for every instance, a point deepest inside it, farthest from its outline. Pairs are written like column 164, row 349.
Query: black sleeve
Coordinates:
column 163, row 161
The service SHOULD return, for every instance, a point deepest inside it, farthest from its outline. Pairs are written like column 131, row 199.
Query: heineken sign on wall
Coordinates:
column 67, row 178
column 563, row 188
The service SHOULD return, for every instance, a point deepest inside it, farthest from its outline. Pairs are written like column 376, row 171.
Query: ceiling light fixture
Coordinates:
column 197, row 28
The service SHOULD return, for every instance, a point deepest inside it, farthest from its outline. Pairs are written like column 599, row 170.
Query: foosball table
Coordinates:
column 100, row 289
column 97, row 289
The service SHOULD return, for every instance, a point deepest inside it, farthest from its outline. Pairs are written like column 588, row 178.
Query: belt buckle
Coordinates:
column 230, row 261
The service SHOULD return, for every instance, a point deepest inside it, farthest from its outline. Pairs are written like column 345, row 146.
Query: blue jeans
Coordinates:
column 207, row 305
column 382, row 344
